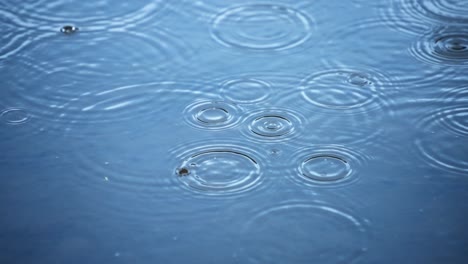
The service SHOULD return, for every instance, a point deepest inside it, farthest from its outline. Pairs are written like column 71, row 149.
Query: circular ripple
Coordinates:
column 273, row 124
column 212, row 115
column 219, row 170
column 435, row 11
column 327, row 165
column 443, row 46
column 246, row 90
column 14, row 116
column 445, row 133
column 344, row 89
column 445, row 151
column 309, row 232
column 261, row 27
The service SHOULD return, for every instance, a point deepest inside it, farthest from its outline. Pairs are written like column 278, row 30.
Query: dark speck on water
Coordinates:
column 69, row 29
column 183, row 172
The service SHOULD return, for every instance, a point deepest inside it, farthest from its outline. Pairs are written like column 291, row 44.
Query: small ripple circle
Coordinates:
column 219, row 170
column 447, row 45
column 329, row 165
column 342, row 89
column 246, row 90
column 261, row 27
column 212, row 114
column 14, row 116
column 273, row 124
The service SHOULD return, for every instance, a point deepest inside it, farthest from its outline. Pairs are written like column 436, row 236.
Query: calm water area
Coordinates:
column 184, row 131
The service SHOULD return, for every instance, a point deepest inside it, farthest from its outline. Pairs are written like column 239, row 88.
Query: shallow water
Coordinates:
column 157, row 131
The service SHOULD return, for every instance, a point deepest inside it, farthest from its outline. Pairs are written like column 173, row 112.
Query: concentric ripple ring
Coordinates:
column 261, row 27
column 219, row 170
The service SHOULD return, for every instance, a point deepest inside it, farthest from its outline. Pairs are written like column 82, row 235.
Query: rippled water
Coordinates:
column 156, row 131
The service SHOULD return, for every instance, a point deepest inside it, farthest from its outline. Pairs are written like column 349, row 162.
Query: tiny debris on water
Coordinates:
column 183, row 172
column 69, row 29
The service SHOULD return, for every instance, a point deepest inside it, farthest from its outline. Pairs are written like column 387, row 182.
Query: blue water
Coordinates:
column 154, row 131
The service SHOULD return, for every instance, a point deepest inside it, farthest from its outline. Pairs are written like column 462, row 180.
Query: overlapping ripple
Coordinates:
column 345, row 90
column 108, row 12
column 435, row 11
column 261, row 27
column 125, row 105
column 309, row 227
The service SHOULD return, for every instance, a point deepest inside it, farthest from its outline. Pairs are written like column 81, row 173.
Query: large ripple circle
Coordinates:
column 445, row 45
column 261, row 27
column 303, row 232
column 219, row 169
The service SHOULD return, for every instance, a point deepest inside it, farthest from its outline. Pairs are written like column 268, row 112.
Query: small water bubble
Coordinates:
column 68, row 29
column 274, row 152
